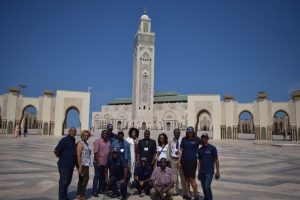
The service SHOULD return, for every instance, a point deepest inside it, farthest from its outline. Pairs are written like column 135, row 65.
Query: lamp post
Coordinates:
column 22, row 86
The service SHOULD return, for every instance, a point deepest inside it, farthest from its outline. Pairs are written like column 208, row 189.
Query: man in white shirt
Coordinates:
column 174, row 147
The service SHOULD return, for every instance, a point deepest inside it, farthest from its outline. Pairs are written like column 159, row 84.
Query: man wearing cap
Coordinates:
column 188, row 160
column 174, row 148
column 123, row 146
column 162, row 180
column 147, row 148
column 118, row 174
column 142, row 177
column 208, row 156
column 110, row 135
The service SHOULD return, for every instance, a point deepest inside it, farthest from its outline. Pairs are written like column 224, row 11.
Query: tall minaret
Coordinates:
column 143, row 74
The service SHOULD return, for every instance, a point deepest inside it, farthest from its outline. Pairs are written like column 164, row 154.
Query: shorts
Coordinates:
column 189, row 168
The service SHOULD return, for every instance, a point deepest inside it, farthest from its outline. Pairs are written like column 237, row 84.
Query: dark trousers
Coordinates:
column 83, row 181
column 146, row 187
column 116, row 187
column 99, row 183
column 206, row 180
column 65, row 178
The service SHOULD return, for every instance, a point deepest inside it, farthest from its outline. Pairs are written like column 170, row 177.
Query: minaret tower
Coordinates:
column 143, row 74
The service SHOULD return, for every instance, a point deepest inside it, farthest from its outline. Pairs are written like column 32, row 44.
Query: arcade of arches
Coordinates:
column 260, row 120
column 44, row 115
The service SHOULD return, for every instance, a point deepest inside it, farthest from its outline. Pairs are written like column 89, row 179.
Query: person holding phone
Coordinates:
column 208, row 157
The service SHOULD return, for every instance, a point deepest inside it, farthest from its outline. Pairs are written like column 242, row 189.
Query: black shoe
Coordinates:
column 186, row 197
column 114, row 195
column 95, row 195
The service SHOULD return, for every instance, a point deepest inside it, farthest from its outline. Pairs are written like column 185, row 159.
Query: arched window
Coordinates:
column 146, row 27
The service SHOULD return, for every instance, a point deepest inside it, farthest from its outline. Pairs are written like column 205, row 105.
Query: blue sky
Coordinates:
column 221, row 47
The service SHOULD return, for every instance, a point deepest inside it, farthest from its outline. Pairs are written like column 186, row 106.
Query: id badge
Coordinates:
column 122, row 150
column 146, row 149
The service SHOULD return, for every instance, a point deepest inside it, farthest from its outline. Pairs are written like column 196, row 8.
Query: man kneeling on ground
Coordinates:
column 162, row 180
column 142, row 177
column 118, row 174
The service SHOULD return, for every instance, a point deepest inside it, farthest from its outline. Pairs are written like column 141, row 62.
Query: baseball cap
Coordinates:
column 190, row 129
column 204, row 135
column 110, row 126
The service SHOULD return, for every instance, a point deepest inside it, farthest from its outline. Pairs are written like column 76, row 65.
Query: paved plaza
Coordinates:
column 250, row 171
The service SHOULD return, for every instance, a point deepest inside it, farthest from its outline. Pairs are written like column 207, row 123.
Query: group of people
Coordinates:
column 149, row 167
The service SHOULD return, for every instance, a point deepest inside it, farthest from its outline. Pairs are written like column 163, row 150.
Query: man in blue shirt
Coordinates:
column 110, row 135
column 208, row 156
column 66, row 152
column 123, row 146
column 118, row 174
column 142, row 177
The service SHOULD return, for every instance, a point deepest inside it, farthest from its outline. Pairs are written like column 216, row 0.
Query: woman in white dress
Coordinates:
column 133, row 142
column 162, row 148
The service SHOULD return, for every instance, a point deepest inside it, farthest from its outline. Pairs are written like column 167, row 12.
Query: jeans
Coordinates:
column 65, row 178
column 206, row 180
column 116, row 187
column 83, row 181
column 99, row 183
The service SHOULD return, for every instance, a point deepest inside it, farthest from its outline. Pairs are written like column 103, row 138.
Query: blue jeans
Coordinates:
column 206, row 180
column 118, row 187
column 65, row 178
column 99, row 183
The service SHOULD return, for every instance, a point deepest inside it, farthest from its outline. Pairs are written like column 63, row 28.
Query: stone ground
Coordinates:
column 249, row 171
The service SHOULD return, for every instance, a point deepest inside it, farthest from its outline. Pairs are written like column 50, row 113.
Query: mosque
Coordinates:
column 222, row 117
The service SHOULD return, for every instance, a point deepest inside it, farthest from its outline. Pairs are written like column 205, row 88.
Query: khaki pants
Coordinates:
column 177, row 173
column 156, row 196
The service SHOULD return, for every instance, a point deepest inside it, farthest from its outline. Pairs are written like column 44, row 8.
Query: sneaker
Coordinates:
column 114, row 195
column 95, row 195
column 142, row 194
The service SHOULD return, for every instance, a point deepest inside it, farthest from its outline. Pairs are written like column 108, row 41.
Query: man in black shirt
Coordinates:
column 66, row 152
column 142, row 177
column 118, row 174
column 147, row 148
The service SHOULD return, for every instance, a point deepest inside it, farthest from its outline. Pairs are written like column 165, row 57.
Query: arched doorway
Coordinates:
column 72, row 119
column 119, row 125
column 204, row 122
column 144, row 126
column 281, row 129
column 168, row 126
column 29, row 120
column 245, row 127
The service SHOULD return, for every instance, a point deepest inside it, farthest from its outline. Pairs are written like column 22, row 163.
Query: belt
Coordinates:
column 175, row 158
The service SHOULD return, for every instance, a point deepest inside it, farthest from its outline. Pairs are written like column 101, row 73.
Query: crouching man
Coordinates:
column 118, row 174
column 142, row 177
column 162, row 180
